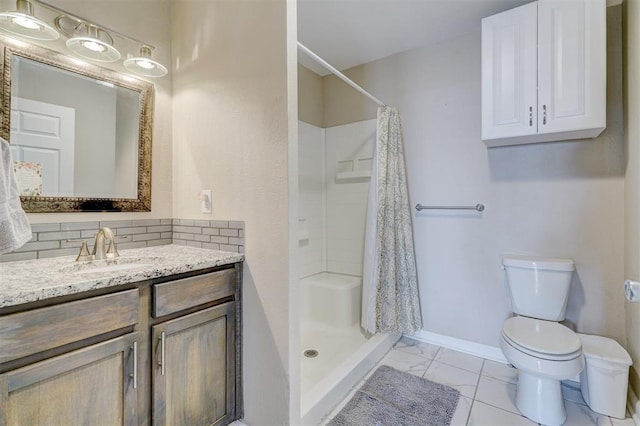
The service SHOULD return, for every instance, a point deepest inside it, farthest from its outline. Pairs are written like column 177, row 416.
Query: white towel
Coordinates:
column 15, row 230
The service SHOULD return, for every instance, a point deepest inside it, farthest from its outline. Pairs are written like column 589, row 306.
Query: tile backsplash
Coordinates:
column 227, row 235
column 63, row 239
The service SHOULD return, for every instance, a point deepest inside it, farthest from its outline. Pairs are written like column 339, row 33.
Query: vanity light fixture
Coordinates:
column 144, row 65
column 87, row 40
column 22, row 22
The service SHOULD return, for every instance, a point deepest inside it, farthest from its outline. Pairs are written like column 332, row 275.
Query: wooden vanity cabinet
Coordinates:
column 53, row 370
column 194, row 353
column 91, row 386
column 194, row 368
column 164, row 352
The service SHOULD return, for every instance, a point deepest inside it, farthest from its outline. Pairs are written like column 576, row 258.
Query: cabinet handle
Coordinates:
column 530, row 116
column 544, row 114
column 134, row 374
column 161, row 363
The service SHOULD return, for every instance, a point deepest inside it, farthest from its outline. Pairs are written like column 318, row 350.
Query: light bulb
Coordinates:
column 27, row 23
column 143, row 63
column 93, row 46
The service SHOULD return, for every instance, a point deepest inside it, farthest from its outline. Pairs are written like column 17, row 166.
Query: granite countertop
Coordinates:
column 32, row 280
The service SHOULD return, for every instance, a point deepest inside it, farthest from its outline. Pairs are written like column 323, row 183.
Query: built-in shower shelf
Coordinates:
column 360, row 175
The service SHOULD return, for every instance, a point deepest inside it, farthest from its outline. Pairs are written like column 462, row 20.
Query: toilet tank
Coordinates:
column 538, row 287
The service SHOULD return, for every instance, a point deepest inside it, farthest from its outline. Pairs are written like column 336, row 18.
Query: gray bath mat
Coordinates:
column 394, row 398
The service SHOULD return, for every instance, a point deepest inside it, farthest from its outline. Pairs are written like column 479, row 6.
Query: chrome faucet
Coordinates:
column 99, row 249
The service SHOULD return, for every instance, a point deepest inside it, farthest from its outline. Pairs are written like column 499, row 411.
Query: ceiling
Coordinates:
column 347, row 33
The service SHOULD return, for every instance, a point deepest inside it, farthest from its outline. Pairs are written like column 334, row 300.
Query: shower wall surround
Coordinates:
column 64, row 239
column 333, row 196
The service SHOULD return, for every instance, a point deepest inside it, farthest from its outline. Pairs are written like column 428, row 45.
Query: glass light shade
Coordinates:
column 93, row 48
column 144, row 65
column 27, row 25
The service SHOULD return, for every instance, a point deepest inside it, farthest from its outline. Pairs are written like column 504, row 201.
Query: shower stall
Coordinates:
column 334, row 176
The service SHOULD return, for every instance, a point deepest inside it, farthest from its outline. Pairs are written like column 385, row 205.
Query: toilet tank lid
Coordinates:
column 532, row 262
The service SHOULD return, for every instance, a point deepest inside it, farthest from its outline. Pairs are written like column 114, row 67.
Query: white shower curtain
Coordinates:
column 390, row 289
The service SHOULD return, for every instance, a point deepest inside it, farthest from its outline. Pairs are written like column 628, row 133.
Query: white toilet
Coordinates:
column 544, row 351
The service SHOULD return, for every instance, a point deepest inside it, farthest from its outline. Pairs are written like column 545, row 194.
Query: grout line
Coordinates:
column 469, row 413
column 473, row 400
column 475, row 392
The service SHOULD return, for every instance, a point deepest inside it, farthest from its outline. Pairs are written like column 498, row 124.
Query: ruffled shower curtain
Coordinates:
column 390, row 300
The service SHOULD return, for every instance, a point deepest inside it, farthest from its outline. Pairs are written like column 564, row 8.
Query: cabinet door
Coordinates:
column 571, row 66
column 90, row 386
column 509, row 80
column 194, row 368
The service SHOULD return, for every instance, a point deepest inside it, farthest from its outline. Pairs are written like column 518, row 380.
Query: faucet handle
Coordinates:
column 84, row 252
column 112, row 251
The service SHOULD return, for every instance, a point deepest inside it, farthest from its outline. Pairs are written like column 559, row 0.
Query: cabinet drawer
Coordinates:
column 38, row 330
column 175, row 296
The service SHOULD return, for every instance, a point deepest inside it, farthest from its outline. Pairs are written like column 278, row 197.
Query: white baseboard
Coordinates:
column 633, row 405
column 472, row 348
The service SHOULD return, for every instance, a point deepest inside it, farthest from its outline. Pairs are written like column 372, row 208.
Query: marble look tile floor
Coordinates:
column 487, row 388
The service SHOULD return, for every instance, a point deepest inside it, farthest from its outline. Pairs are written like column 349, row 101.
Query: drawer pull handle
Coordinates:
column 530, row 116
column 544, row 114
column 161, row 363
column 134, row 374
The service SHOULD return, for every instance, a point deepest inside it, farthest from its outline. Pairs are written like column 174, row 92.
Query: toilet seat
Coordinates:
column 542, row 339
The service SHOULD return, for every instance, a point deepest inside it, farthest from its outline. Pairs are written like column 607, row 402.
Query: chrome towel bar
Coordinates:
column 478, row 207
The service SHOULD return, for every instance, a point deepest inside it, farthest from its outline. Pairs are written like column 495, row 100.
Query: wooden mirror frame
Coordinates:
column 42, row 204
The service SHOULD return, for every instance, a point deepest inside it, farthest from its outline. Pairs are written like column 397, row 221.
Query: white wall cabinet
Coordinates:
column 544, row 72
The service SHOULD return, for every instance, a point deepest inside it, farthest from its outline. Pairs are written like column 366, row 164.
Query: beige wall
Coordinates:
column 230, row 134
column 309, row 96
column 563, row 199
column 342, row 104
column 632, row 188
column 147, row 20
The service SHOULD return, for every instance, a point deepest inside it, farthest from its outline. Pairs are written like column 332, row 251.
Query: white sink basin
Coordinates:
column 109, row 265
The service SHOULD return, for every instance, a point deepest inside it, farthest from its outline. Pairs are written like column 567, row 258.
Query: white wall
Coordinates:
column 230, row 134
column 632, row 188
column 312, row 200
column 558, row 199
column 347, row 199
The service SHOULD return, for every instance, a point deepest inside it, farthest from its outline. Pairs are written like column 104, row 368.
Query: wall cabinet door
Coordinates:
column 91, row 386
column 544, row 72
column 509, row 73
column 571, row 65
column 193, row 365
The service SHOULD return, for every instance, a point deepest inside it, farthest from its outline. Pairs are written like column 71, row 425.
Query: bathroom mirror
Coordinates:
column 80, row 135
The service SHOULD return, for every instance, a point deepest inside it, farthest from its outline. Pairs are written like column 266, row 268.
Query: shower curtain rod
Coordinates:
column 343, row 77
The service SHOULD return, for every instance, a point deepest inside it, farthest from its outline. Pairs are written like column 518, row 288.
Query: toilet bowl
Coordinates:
column 544, row 353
